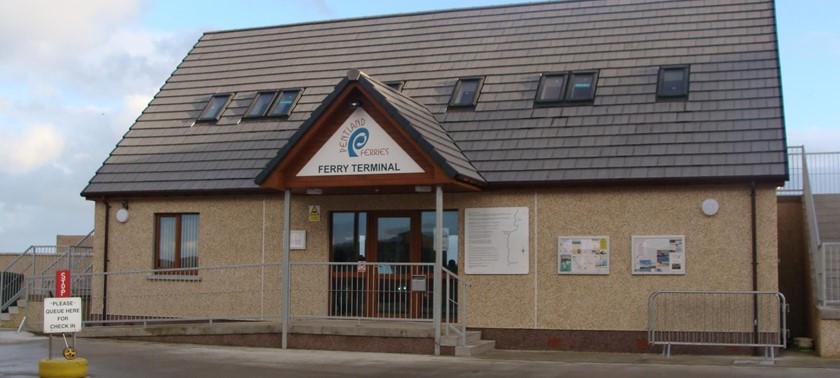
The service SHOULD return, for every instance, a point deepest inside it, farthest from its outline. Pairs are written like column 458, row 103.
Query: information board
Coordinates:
column 583, row 255
column 660, row 254
column 62, row 315
column 496, row 240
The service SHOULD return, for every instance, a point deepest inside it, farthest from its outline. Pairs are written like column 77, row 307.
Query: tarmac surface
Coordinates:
column 20, row 353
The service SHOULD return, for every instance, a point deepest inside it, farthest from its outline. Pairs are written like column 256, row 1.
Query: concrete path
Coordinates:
column 19, row 355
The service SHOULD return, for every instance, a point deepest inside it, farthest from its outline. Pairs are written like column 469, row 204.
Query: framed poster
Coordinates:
column 496, row 240
column 659, row 254
column 583, row 255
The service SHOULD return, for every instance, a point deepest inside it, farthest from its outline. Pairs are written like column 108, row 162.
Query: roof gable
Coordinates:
column 367, row 134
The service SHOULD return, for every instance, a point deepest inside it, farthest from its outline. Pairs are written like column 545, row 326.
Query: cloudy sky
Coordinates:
column 74, row 74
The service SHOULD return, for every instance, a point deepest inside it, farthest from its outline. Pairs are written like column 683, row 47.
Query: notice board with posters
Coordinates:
column 659, row 254
column 496, row 240
column 583, row 255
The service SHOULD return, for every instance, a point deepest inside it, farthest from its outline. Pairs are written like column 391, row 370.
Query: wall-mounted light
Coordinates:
column 355, row 104
column 710, row 207
column 314, row 191
column 122, row 214
column 423, row 189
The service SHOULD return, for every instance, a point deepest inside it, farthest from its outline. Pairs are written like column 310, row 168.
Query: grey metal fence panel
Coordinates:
column 205, row 294
column 717, row 318
column 829, row 273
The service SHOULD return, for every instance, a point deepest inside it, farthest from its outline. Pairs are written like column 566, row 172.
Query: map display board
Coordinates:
column 659, row 254
column 496, row 240
column 583, row 255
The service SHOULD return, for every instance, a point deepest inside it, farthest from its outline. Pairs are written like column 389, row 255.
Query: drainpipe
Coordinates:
column 754, row 227
column 105, row 260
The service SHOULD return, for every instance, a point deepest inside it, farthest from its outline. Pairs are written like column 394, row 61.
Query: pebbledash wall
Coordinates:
column 516, row 310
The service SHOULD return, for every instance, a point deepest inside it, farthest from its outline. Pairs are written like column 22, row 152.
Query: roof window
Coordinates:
column 395, row 85
column 286, row 100
column 466, row 92
column 552, row 87
column 582, row 86
column 566, row 87
column 214, row 108
column 261, row 104
column 673, row 82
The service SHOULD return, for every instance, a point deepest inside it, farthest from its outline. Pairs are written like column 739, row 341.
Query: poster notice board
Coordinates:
column 583, row 255
column 660, row 254
column 496, row 240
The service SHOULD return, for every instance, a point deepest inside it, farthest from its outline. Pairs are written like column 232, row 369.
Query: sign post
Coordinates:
column 63, row 314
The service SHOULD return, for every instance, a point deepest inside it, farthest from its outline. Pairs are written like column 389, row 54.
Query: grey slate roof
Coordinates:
column 731, row 127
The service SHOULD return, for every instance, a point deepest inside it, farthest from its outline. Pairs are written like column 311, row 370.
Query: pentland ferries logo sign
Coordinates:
column 360, row 147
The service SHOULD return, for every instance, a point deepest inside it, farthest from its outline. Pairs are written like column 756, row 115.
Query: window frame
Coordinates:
column 543, row 77
column 457, row 89
column 278, row 96
column 177, row 269
column 660, row 82
column 396, row 85
column 273, row 93
column 570, row 86
column 202, row 117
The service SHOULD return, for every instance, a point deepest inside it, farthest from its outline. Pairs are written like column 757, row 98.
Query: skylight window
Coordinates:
column 673, row 82
column 466, row 92
column 214, row 108
column 552, row 87
column 582, row 86
column 395, row 85
column 286, row 100
column 261, row 104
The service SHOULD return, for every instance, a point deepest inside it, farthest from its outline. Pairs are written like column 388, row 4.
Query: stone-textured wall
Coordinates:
column 240, row 230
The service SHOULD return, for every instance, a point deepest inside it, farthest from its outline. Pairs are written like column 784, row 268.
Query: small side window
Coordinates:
column 582, row 86
column 395, row 85
column 261, row 103
column 551, row 88
column 214, row 108
column 466, row 92
column 673, row 82
column 286, row 100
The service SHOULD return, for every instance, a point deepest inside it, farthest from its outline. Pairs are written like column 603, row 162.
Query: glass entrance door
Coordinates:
column 395, row 246
column 375, row 258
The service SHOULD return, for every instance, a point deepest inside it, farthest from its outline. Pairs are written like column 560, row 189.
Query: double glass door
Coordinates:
column 379, row 255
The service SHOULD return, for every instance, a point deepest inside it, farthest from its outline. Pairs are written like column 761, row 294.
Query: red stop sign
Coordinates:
column 62, row 283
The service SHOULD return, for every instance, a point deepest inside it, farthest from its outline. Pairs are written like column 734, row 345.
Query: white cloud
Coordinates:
column 75, row 74
column 37, row 146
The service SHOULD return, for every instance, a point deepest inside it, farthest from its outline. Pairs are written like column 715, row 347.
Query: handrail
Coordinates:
column 810, row 215
column 460, row 303
column 84, row 239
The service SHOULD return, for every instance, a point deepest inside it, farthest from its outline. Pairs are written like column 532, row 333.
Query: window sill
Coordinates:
column 171, row 277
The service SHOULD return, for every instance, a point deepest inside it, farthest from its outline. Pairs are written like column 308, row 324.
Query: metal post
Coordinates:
column 438, row 264
column 285, row 303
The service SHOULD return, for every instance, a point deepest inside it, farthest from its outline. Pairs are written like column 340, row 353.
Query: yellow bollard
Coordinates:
column 77, row 368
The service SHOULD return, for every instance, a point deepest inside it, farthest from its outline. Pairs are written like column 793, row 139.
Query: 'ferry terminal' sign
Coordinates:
column 360, row 147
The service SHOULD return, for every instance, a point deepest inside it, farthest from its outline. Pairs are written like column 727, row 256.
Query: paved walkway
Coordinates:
column 19, row 355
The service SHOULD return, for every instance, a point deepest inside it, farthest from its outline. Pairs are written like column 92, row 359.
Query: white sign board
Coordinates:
column 360, row 147
column 62, row 315
column 663, row 254
column 583, row 255
column 496, row 240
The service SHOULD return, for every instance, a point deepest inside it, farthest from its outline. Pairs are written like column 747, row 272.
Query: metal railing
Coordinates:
column 370, row 290
column 718, row 318
column 189, row 295
column 39, row 261
column 829, row 274
column 823, row 172
column 456, row 303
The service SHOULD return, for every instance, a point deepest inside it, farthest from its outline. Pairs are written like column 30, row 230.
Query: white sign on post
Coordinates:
column 62, row 315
